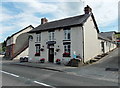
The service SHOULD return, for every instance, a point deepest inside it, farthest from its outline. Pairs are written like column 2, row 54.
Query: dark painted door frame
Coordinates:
column 103, row 47
column 51, row 53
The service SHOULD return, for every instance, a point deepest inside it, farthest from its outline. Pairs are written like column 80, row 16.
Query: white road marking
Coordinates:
column 43, row 84
column 29, row 79
column 10, row 74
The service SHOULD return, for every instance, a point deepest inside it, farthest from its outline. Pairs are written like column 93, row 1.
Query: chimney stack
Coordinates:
column 44, row 20
column 87, row 10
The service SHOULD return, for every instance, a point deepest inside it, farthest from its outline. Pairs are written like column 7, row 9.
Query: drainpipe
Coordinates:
column 83, row 43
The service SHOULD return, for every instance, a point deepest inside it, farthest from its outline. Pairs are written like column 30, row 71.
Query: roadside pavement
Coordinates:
column 94, row 71
column 98, row 70
column 47, row 66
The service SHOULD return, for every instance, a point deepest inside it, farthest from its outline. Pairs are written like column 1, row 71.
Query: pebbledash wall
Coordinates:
column 84, row 41
column 12, row 40
column 11, row 43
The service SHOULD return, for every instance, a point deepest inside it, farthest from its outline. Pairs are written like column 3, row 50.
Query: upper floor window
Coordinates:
column 38, row 37
column 51, row 36
column 67, row 34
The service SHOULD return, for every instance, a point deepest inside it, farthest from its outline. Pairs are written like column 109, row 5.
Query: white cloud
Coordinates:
column 7, row 29
column 41, row 0
column 104, row 11
column 27, row 19
column 67, row 9
column 42, row 7
column 5, row 17
column 3, row 14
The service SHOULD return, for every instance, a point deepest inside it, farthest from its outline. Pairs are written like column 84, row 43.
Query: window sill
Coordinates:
column 66, row 56
column 51, row 40
column 67, row 40
column 37, row 42
column 37, row 54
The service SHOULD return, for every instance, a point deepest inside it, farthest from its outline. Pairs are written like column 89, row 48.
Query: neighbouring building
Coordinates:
column 17, row 44
column 106, row 44
column 61, row 38
column 110, row 35
column 118, row 38
column 107, row 41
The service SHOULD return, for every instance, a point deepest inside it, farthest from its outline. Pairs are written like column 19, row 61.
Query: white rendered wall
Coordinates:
column 59, row 36
column 77, row 41
column 91, row 44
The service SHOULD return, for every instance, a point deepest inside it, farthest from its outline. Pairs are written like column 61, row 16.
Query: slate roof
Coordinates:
column 102, row 37
column 19, row 32
column 67, row 22
column 108, row 34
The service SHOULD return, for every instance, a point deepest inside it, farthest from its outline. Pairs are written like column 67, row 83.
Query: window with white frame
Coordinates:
column 67, row 50
column 38, row 37
column 67, row 34
column 51, row 36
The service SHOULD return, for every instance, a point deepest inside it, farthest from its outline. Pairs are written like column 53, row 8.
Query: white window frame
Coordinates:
column 67, row 33
column 51, row 36
column 67, row 49
column 38, row 37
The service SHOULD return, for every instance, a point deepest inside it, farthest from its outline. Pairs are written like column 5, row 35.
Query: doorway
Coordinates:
column 103, row 48
column 51, row 54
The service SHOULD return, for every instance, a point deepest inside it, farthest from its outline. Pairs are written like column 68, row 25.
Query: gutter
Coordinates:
column 83, row 43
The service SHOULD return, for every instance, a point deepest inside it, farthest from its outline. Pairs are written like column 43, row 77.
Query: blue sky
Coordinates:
column 18, row 14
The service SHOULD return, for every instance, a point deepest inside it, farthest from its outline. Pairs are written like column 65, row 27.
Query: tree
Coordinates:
column 0, row 47
column 4, row 46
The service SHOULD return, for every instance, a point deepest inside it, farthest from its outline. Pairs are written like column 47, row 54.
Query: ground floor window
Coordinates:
column 37, row 50
column 67, row 50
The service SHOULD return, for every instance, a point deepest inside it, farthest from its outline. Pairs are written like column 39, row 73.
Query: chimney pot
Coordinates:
column 87, row 10
column 44, row 20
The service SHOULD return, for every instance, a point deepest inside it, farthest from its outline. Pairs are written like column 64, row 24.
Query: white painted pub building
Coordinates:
column 61, row 38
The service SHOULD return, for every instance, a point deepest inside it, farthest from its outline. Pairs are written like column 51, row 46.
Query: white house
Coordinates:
column 106, row 44
column 61, row 38
column 17, row 44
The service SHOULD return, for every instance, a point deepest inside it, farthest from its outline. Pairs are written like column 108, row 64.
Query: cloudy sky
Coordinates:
column 18, row 14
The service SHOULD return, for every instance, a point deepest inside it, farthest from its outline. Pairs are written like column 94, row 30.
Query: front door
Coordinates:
column 51, row 55
column 103, row 48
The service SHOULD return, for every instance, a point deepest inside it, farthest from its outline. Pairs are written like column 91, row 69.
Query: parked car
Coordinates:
column 24, row 59
column 2, row 53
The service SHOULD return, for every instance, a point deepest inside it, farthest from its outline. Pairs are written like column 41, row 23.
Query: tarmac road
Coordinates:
column 27, row 76
column 15, row 75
